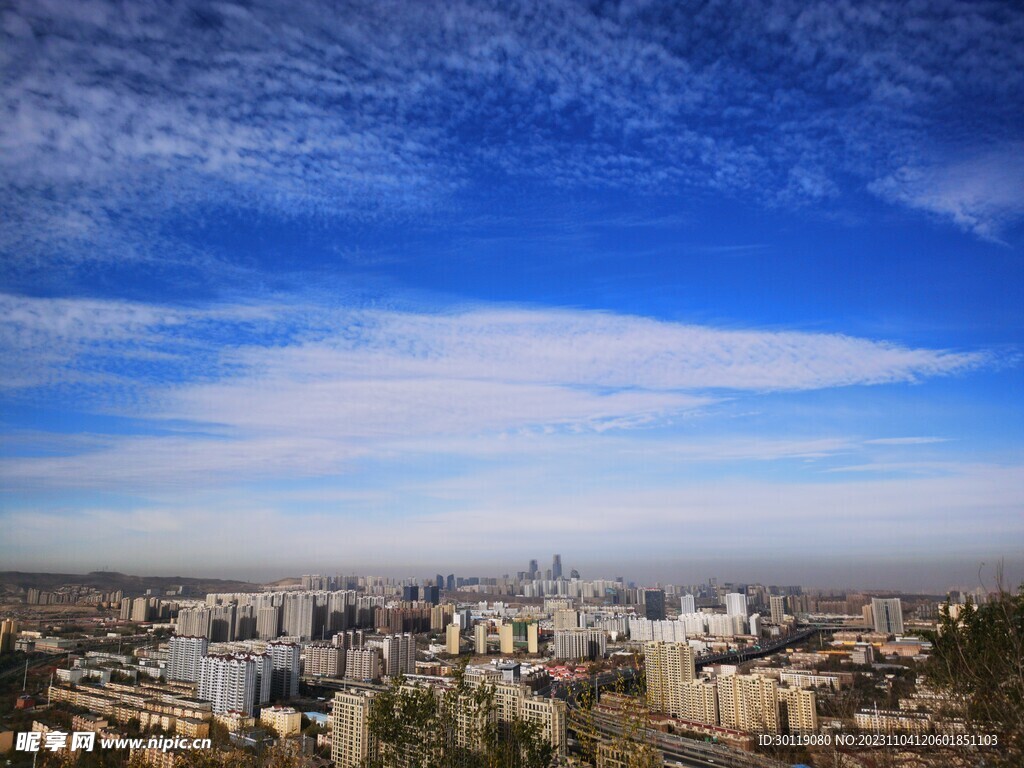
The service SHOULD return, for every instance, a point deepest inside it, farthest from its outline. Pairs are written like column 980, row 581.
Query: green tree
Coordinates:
column 978, row 661
column 456, row 727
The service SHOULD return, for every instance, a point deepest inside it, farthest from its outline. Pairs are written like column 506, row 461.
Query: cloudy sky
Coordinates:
column 674, row 289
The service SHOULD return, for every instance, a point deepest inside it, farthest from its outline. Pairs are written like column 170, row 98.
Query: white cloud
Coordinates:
column 113, row 122
column 982, row 193
column 311, row 389
column 905, row 440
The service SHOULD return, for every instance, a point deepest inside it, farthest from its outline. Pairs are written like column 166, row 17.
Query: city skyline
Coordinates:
column 462, row 284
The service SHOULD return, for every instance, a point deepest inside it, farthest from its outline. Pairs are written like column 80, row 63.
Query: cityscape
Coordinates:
column 511, row 384
column 602, row 671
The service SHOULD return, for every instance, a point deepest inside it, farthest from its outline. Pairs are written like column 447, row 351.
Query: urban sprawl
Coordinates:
column 703, row 672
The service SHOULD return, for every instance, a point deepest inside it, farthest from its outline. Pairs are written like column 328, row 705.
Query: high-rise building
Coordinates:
column 580, row 644
column 140, row 609
column 755, row 624
column 350, row 728
column 362, row 664
column 533, row 570
column 687, row 604
column 514, row 702
column 229, row 683
column 8, row 635
column 556, row 567
column 193, row 622
column 184, row 657
column 748, row 703
column 324, row 660
column 452, row 639
column 410, row 593
column 566, row 619
column 798, row 711
column 284, row 669
column 222, row 623
column 699, row 700
column 480, row 639
column 268, row 622
column 778, row 608
column 668, row 667
column 887, row 615
column 399, row 655
column 506, row 639
column 533, row 637
column 432, row 594
column 736, row 604
column 654, row 604
column 441, row 616
column 298, row 615
column 245, row 622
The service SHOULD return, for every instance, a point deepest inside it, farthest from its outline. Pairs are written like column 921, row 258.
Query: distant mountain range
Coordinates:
column 109, row 581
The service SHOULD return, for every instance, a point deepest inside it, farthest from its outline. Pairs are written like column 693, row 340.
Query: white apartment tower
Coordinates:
column 229, row 683
column 736, row 604
column 888, row 615
column 778, row 607
column 284, row 666
column 184, row 657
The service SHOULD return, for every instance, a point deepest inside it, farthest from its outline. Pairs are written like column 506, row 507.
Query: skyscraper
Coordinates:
column 298, row 615
column 736, row 604
column 687, row 604
column 452, row 639
column 268, row 619
column 350, row 728
column 654, row 604
column 8, row 635
column 556, row 567
column 399, row 655
column 778, row 606
column 324, row 660
column 184, row 657
column 668, row 666
column 228, row 683
column 887, row 615
column 748, row 703
column 284, row 669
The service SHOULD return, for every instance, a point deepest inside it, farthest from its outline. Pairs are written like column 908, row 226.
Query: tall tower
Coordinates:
column 669, row 667
column 778, row 606
column 556, row 567
column 654, row 604
column 888, row 615
column 284, row 660
column 184, row 655
column 350, row 728
column 736, row 604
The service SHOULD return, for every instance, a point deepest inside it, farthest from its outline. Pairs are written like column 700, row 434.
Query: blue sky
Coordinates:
column 674, row 289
